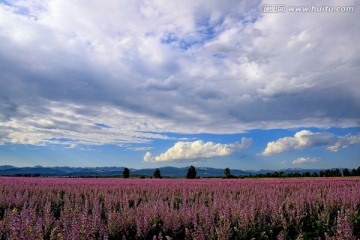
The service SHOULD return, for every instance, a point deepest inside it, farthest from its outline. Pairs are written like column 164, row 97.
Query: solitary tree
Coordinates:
column 227, row 172
column 191, row 174
column 126, row 173
column 157, row 173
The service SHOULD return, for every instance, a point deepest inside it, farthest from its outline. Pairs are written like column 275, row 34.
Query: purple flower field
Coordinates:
column 63, row 208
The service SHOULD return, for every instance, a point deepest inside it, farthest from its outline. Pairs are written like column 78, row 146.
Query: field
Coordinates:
column 62, row 208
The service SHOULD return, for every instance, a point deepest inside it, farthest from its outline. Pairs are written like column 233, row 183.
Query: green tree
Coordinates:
column 329, row 173
column 346, row 172
column 126, row 173
column 157, row 173
column 336, row 173
column 355, row 172
column 191, row 174
column 227, row 172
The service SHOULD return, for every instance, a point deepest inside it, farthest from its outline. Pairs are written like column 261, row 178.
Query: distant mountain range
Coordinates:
column 8, row 170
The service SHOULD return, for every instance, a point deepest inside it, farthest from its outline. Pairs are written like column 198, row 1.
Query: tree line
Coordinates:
column 192, row 173
column 322, row 173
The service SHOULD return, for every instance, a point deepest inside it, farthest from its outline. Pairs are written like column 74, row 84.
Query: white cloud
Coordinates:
column 198, row 150
column 344, row 142
column 140, row 149
column 301, row 140
column 305, row 139
column 73, row 125
column 148, row 157
column 303, row 160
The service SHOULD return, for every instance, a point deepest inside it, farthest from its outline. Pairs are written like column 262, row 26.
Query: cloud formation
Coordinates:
column 344, row 142
column 198, row 150
column 145, row 68
column 76, row 125
column 305, row 139
column 303, row 160
column 301, row 140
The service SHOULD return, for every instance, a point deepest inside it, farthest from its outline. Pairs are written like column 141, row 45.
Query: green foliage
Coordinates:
column 126, row 173
column 346, row 172
column 191, row 174
column 227, row 172
column 157, row 173
column 323, row 173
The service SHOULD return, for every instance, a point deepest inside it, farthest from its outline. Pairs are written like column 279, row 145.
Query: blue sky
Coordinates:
column 147, row 84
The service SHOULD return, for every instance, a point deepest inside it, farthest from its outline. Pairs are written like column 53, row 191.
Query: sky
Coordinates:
column 210, row 83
